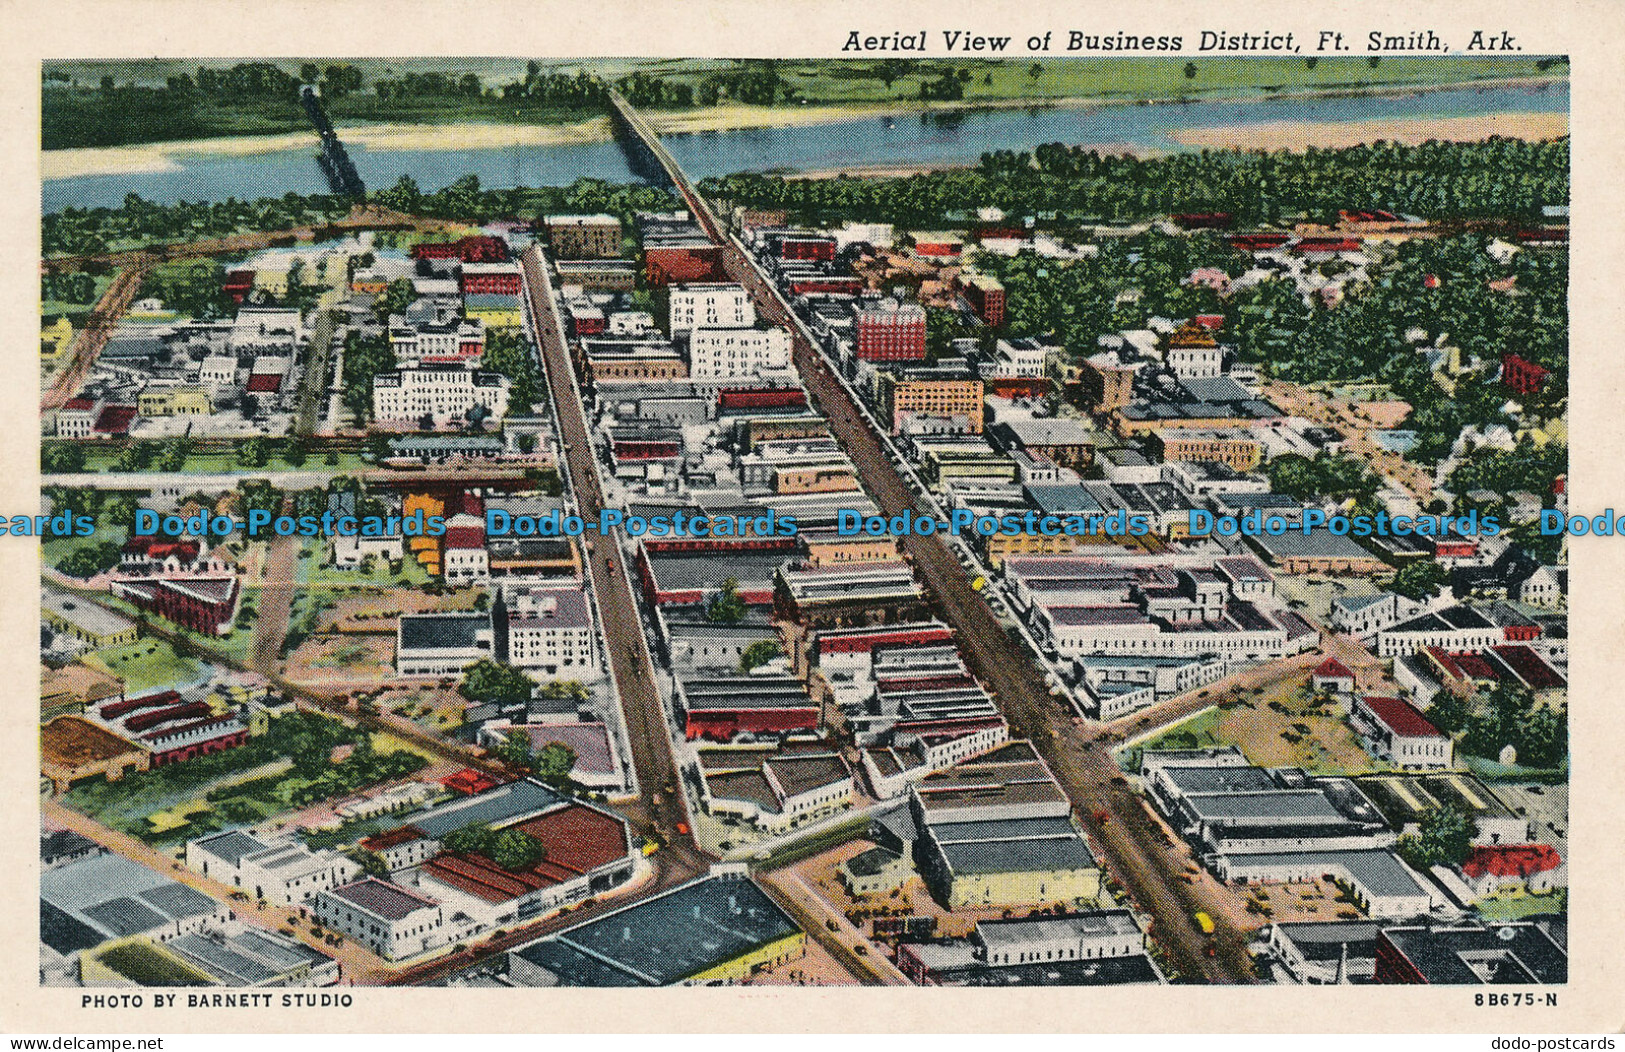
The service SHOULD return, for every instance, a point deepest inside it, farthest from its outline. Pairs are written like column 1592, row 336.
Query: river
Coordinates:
column 877, row 142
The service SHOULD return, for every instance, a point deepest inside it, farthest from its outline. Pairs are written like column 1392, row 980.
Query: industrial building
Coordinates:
column 709, row 932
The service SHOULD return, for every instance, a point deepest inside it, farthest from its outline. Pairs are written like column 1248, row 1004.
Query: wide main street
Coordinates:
column 1089, row 774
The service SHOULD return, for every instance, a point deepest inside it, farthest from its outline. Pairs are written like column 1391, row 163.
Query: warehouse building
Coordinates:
column 709, row 932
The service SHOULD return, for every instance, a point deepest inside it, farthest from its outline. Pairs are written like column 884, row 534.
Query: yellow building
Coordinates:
column 187, row 400
column 717, row 929
column 139, row 961
column 73, row 749
column 921, row 394
column 1022, row 887
column 425, row 548
column 55, row 339
column 497, row 312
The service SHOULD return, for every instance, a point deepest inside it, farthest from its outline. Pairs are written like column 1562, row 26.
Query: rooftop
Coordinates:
column 668, row 938
column 382, row 899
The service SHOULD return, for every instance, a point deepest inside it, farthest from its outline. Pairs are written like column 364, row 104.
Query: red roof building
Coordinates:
column 115, row 420
column 1521, row 376
column 1333, row 675
column 468, row 782
column 1536, row 868
column 1397, row 732
column 581, row 847
column 468, row 249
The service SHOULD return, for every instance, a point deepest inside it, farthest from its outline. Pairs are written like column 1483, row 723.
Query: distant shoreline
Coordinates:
column 166, row 156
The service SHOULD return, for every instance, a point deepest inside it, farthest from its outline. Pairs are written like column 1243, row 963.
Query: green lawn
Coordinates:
column 1513, row 906
column 1194, row 732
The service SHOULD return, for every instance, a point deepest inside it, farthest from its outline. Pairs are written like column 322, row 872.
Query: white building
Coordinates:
column 464, row 558
column 1396, row 732
column 730, row 353
column 1452, row 629
column 286, row 873
column 1366, row 615
column 350, row 550
column 442, row 394
column 441, row 644
column 1544, row 587
column 1021, row 359
column 550, row 630
column 218, row 370
column 460, row 341
column 1196, row 363
column 1082, row 937
column 711, row 306
column 394, row 922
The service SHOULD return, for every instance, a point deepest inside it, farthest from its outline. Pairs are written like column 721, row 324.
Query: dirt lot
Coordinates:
column 375, row 609
column 342, row 663
column 1282, row 727
column 913, row 898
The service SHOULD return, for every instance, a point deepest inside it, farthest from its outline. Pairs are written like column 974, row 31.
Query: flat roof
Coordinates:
column 666, row 939
column 1050, row 854
column 506, row 803
column 1377, row 872
column 1470, row 956
column 87, row 616
column 442, row 631
column 381, row 898
column 1012, row 934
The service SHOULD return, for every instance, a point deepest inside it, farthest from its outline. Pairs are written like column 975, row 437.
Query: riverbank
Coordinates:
column 1408, row 131
column 169, row 156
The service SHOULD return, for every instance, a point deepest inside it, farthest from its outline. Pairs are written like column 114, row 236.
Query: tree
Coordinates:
column 1420, row 580
column 726, row 607
column 490, row 682
column 1190, row 71
column 759, row 653
column 88, row 561
column 554, row 763
column 371, row 862
column 1444, row 838
column 514, row 750
column 254, row 453
column 508, row 848
column 1035, row 70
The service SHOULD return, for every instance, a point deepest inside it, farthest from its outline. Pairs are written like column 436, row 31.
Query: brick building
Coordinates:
column 891, row 332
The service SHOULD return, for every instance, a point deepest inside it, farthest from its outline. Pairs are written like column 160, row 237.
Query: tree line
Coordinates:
column 1492, row 179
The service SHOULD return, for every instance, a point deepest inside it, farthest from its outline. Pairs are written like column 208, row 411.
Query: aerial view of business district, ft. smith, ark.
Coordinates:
column 518, row 523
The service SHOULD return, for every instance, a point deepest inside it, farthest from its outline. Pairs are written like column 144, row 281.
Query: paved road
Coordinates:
column 618, row 612
column 813, row 913
column 88, row 344
column 313, row 391
column 1301, row 401
column 281, row 579
column 1110, row 812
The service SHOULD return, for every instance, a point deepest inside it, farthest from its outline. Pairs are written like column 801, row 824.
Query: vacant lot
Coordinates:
column 342, row 662
column 1282, row 727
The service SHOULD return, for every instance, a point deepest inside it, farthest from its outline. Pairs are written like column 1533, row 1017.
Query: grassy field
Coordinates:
column 148, row 664
column 1511, row 906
